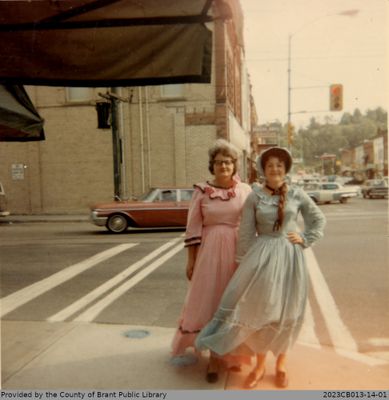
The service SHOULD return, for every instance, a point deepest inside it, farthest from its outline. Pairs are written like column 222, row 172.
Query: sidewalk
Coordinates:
column 42, row 355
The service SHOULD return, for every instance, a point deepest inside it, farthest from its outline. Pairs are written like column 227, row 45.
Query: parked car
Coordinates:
column 3, row 202
column 326, row 192
column 375, row 188
column 158, row 208
column 355, row 188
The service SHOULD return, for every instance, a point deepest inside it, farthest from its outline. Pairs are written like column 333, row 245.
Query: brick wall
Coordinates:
column 69, row 170
column 165, row 141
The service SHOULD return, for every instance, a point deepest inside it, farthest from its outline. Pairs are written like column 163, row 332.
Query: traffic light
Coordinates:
column 290, row 133
column 336, row 97
column 103, row 109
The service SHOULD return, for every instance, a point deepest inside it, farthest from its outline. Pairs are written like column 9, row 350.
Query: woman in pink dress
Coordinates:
column 211, row 236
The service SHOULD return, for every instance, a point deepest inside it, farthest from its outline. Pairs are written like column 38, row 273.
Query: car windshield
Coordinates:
column 149, row 196
column 310, row 186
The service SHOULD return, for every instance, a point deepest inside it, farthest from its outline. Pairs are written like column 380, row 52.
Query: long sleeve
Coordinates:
column 247, row 228
column 194, row 226
column 314, row 220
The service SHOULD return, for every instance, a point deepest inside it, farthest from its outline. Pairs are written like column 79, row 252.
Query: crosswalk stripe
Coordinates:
column 340, row 335
column 344, row 343
column 91, row 313
column 307, row 334
column 379, row 341
column 94, row 294
column 22, row 296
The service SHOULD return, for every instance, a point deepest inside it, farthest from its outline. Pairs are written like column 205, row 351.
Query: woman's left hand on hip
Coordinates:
column 295, row 238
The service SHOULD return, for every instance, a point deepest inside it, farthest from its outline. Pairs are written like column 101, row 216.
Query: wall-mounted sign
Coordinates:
column 17, row 171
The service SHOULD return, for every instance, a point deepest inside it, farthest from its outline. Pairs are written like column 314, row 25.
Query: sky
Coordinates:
column 326, row 48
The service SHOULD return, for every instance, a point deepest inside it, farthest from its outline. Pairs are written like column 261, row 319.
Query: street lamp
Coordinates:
column 345, row 13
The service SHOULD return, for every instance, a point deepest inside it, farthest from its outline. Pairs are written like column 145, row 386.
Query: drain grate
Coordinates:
column 136, row 333
column 184, row 360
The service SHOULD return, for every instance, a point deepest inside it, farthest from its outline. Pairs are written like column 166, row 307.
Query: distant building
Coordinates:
column 262, row 137
column 367, row 160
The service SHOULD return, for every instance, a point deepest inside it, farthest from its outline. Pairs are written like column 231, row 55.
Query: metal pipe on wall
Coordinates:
column 148, row 137
column 123, row 142
column 116, row 145
column 142, row 157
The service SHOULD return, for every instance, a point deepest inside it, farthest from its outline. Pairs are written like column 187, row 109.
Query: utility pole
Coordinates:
column 116, row 146
column 289, row 88
column 117, row 151
column 337, row 88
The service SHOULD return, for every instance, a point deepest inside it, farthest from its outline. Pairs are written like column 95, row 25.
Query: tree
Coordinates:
column 346, row 119
column 357, row 116
column 351, row 131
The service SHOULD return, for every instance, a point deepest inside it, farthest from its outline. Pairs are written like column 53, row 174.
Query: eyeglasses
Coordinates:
column 219, row 163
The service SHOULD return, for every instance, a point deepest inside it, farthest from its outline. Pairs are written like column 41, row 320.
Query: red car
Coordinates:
column 159, row 208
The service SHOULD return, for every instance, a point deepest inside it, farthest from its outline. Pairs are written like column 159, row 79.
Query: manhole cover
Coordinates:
column 182, row 361
column 136, row 334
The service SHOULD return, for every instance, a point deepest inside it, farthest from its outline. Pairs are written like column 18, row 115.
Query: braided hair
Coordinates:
column 283, row 189
column 281, row 207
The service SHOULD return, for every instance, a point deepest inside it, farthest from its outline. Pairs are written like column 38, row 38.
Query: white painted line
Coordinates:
column 307, row 334
column 366, row 359
column 340, row 335
column 91, row 313
column 94, row 294
column 344, row 343
column 379, row 354
column 22, row 296
column 379, row 342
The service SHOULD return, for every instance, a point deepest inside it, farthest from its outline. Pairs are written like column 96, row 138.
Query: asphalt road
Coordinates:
column 74, row 271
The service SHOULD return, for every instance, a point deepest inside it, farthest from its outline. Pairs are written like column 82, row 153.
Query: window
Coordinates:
column 175, row 90
column 168, row 195
column 310, row 186
column 186, row 195
column 330, row 186
column 78, row 94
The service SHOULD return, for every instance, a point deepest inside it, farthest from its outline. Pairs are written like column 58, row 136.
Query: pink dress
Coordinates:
column 213, row 221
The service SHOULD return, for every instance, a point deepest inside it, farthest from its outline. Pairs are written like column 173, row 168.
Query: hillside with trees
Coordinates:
column 318, row 138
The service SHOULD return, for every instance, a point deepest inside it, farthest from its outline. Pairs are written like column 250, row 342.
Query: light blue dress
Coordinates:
column 262, row 308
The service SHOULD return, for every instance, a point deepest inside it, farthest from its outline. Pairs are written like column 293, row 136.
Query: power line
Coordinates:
column 316, row 57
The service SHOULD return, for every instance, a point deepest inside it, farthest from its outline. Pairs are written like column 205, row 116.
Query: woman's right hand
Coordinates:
column 189, row 270
column 192, row 254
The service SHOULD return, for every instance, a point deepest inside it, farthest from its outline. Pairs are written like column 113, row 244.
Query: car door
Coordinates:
column 164, row 210
column 327, row 192
column 332, row 191
column 184, row 198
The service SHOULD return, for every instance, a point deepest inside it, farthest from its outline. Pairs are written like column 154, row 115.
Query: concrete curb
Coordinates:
column 45, row 218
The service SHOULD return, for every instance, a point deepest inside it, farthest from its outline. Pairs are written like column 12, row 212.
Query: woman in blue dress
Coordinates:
column 262, row 308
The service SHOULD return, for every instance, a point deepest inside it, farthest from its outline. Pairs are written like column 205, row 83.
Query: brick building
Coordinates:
column 369, row 159
column 165, row 132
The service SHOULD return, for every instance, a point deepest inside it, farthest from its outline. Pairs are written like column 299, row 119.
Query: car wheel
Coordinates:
column 117, row 223
column 343, row 200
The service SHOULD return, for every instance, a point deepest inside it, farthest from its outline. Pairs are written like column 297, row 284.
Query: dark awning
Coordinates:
column 19, row 121
column 105, row 42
